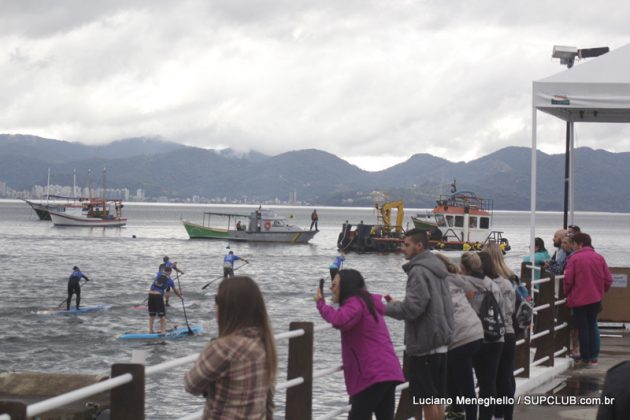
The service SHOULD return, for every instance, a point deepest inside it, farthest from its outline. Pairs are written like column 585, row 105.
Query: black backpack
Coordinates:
column 523, row 309
column 160, row 282
column 491, row 317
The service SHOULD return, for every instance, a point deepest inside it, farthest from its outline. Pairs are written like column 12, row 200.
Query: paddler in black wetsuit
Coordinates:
column 74, row 287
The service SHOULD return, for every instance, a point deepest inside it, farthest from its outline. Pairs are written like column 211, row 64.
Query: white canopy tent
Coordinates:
column 595, row 91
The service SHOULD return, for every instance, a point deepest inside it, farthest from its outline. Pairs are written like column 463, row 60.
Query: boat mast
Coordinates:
column 104, row 177
column 74, row 183
column 48, row 187
column 89, row 184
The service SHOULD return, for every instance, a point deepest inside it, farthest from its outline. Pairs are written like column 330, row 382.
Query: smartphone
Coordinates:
column 321, row 286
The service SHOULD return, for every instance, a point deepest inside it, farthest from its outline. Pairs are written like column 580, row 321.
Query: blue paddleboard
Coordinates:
column 74, row 311
column 175, row 333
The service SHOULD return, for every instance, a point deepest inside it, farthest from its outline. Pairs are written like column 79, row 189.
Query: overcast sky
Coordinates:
column 370, row 81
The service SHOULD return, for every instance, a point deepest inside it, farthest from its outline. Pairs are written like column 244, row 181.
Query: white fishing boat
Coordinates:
column 96, row 212
column 261, row 225
column 44, row 207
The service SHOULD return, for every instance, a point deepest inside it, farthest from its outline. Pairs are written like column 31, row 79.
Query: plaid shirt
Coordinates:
column 231, row 373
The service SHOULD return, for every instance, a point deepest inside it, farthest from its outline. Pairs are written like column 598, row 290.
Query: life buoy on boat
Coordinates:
column 267, row 225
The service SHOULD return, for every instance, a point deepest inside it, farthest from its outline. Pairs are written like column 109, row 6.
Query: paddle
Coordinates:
column 66, row 299
column 190, row 331
column 220, row 277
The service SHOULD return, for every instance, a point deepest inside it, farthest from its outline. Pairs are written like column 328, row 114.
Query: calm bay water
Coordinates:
column 37, row 259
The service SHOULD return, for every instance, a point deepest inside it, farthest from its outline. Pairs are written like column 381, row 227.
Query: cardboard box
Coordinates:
column 616, row 301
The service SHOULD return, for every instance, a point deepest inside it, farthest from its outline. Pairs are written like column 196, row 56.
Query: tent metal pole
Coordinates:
column 532, row 217
column 567, row 165
column 572, row 175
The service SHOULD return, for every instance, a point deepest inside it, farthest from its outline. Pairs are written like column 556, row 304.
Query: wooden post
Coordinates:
column 545, row 321
column 16, row 409
column 563, row 336
column 521, row 353
column 299, row 399
column 127, row 401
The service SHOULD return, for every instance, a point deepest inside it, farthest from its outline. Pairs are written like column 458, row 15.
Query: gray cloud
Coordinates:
column 356, row 78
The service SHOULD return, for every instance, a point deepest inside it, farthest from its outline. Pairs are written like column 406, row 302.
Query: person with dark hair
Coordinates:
column 173, row 265
column 541, row 256
column 573, row 229
column 156, row 305
column 314, row 220
column 74, row 288
column 228, row 264
column 427, row 310
column 586, row 279
column 370, row 365
column 236, row 372
column 336, row 265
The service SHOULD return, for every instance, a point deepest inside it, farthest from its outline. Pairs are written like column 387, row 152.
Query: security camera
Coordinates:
column 567, row 55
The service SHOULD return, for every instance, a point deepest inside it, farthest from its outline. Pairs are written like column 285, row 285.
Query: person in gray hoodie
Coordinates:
column 486, row 361
column 492, row 261
column 467, row 338
column 428, row 314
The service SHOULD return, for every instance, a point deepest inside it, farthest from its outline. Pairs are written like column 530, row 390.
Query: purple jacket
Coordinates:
column 366, row 348
column 586, row 278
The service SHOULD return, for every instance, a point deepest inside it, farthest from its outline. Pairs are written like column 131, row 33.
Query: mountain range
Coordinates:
column 176, row 171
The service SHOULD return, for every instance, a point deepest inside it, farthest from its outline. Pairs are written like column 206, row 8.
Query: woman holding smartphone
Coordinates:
column 370, row 365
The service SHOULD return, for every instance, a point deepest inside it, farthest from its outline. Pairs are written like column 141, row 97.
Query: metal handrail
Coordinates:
column 327, row 371
column 150, row 370
column 76, row 395
column 290, row 334
column 538, row 335
column 540, row 281
column 561, row 326
column 539, row 361
column 541, row 307
column 290, row 383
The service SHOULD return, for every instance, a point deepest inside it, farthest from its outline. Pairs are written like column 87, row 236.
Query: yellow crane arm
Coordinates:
column 386, row 212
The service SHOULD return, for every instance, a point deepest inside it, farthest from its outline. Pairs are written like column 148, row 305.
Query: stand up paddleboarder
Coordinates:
column 228, row 264
column 162, row 282
column 74, row 287
column 168, row 263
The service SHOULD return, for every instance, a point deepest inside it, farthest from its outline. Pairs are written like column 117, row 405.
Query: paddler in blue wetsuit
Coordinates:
column 336, row 266
column 173, row 265
column 74, row 287
column 228, row 263
column 162, row 282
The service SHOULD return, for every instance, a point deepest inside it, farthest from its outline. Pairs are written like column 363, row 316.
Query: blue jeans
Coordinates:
column 585, row 318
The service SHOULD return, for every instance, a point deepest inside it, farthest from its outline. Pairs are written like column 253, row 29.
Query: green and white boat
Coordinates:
column 261, row 225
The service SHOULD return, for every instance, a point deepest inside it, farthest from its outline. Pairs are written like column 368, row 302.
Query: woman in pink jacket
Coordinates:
column 586, row 278
column 370, row 365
